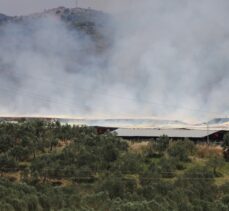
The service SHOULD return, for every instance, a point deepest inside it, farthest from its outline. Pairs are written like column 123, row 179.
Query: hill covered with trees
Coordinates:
column 48, row 166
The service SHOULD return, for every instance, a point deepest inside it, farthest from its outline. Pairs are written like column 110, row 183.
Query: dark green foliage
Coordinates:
column 97, row 172
column 190, row 146
column 129, row 163
column 83, row 157
column 114, row 185
column 20, row 153
column 6, row 207
column 226, row 146
column 110, row 153
column 167, row 167
column 225, row 188
column 150, row 175
column 178, row 151
column 84, row 174
column 8, row 163
column 225, row 200
column 99, row 201
column 215, row 162
column 6, row 142
column 226, row 140
column 24, row 197
column 134, row 206
column 199, row 182
column 181, row 150
column 159, row 146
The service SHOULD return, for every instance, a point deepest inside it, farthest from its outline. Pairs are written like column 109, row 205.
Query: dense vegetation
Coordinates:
column 48, row 166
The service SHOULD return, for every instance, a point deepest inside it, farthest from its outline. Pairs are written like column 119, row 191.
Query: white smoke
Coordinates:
column 175, row 53
column 167, row 59
column 43, row 63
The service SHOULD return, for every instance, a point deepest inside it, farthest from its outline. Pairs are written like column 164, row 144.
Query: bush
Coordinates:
column 84, row 174
column 181, row 150
column 167, row 167
column 130, row 163
column 8, row 163
column 114, row 186
column 215, row 162
column 151, row 175
column 161, row 144
column 20, row 153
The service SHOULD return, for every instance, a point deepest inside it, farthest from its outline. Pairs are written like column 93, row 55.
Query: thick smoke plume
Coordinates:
column 167, row 59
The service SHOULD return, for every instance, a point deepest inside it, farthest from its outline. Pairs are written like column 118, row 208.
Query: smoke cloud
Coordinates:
column 165, row 58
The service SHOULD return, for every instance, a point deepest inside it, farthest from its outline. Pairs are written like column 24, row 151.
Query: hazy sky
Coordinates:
column 166, row 58
column 19, row 7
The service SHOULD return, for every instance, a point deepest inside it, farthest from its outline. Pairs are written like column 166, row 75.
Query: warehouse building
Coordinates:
column 192, row 134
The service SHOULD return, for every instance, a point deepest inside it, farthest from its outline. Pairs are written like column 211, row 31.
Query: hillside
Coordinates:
column 46, row 166
column 4, row 18
column 39, row 50
column 91, row 22
column 69, row 15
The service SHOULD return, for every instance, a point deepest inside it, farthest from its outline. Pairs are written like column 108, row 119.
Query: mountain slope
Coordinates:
column 4, row 18
column 89, row 21
column 218, row 121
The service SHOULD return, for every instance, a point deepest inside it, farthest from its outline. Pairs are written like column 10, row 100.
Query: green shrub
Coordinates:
column 161, row 144
column 181, row 150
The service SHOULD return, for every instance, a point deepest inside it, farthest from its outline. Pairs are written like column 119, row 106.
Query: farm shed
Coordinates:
column 143, row 133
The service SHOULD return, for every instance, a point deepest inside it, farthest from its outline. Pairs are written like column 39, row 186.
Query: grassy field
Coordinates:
column 201, row 157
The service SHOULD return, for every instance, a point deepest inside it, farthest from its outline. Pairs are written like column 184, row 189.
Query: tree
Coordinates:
column 84, row 174
column 161, row 144
column 20, row 153
column 226, row 146
column 110, row 152
column 6, row 207
column 6, row 142
column 98, row 201
column 226, row 140
column 179, row 151
column 130, row 163
column 198, row 182
column 114, row 185
column 215, row 162
column 167, row 167
column 8, row 163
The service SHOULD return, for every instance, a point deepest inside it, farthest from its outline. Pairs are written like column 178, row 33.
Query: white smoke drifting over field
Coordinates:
column 168, row 59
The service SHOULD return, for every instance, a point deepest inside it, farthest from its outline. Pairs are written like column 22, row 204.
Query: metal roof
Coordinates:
column 173, row 133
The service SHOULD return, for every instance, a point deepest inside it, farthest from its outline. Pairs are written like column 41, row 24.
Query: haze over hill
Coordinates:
column 171, row 62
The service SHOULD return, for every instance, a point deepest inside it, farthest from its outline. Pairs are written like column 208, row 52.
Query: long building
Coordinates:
column 143, row 133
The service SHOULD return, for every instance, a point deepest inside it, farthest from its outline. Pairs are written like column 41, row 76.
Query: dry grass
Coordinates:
column 205, row 151
column 138, row 147
column 12, row 176
column 63, row 143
